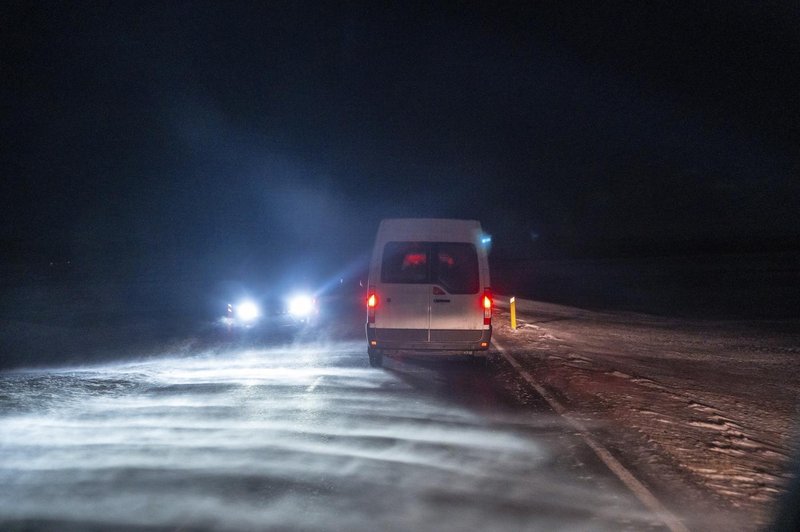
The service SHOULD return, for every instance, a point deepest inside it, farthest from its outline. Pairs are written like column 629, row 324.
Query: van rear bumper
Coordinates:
column 424, row 340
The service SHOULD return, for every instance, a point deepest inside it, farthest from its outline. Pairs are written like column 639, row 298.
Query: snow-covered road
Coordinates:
column 713, row 402
column 304, row 437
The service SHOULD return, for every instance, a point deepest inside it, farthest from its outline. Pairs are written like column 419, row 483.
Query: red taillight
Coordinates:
column 372, row 302
column 487, row 306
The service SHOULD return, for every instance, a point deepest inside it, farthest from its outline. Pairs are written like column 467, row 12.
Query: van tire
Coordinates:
column 375, row 358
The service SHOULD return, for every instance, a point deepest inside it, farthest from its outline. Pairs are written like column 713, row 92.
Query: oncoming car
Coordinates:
column 428, row 289
column 297, row 311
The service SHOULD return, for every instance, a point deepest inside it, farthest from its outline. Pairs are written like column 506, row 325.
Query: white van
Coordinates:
column 428, row 288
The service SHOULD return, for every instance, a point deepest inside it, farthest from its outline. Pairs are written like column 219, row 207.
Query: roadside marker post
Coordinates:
column 512, row 303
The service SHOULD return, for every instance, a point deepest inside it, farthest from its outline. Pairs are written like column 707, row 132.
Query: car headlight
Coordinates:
column 301, row 306
column 247, row 311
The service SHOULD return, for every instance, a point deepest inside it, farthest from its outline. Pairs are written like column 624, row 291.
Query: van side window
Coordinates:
column 457, row 267
column 405, row 262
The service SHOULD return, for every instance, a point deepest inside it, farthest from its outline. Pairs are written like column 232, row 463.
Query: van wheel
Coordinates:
column 375, row 358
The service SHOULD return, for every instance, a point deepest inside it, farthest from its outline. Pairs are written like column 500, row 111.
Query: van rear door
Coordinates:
column 456, row 313
column 403, row 313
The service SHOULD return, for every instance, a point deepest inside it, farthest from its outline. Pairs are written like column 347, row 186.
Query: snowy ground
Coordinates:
column 712, row 402
column 294, row 437
column 704, row 412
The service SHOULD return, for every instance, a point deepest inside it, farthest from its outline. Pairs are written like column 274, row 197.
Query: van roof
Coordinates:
column 440, row 229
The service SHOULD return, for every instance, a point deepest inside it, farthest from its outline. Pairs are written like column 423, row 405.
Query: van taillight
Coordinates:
column 372, row 302
column 487, row 306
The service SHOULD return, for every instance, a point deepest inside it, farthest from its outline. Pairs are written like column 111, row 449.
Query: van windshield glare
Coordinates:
column 453, row 265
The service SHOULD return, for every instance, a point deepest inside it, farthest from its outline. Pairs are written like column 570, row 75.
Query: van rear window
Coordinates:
column 457, row 267
column 453, row 265
column 405, row 262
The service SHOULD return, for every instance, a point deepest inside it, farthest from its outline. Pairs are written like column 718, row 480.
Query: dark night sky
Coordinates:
column 234, row 133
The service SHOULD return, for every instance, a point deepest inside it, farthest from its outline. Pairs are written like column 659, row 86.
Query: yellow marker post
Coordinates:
column 513, row 304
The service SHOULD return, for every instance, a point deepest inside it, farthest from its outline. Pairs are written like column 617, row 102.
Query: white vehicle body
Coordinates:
column 428, row 287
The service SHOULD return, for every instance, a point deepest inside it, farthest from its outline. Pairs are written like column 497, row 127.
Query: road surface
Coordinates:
column 296, row 436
